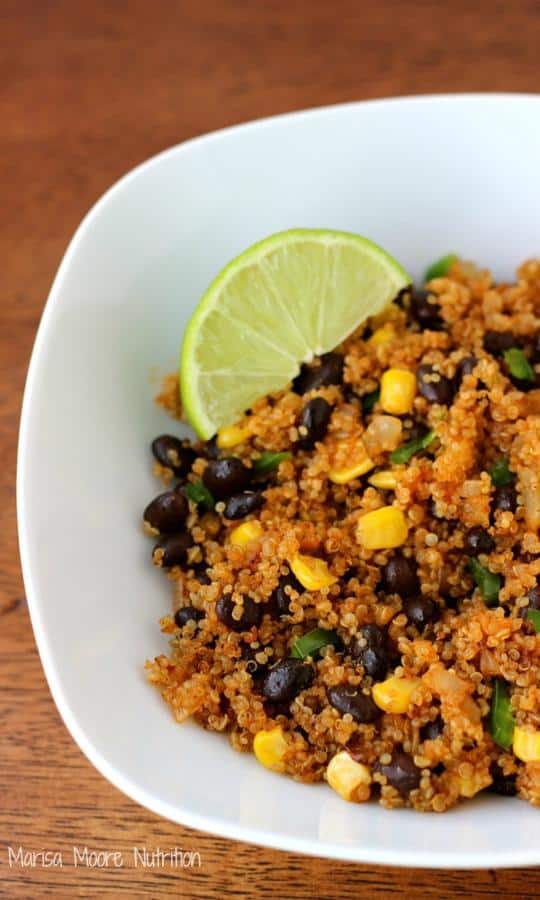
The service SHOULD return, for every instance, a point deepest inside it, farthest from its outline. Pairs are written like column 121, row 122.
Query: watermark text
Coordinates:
column 94, row 858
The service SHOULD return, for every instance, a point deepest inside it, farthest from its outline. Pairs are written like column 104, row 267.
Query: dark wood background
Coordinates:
column 89, row 89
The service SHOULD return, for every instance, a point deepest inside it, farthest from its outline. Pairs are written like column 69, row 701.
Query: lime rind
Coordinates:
column 282, row 301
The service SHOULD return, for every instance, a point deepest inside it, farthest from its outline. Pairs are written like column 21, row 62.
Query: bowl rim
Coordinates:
column 422, row 857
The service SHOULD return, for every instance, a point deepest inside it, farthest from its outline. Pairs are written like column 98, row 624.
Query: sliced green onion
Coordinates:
column 369, row 401
column 488, row 582
column 518, row 364
column 199, row 493
column 440, row 267
column 310, row 644
column 501, row 723
column 500, row 473
column 269, row 460
column 534, row 616
column 404, row 453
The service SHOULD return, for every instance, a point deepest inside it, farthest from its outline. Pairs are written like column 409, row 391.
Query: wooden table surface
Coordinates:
column 88, row 90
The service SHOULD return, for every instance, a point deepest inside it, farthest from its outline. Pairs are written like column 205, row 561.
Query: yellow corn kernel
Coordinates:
column 359, row 464
column 394, row 694
column 269, row 748
column 350, row 779
column 312, row 572
column 382, row 335
column 382, row 529
column 246, row 532
column 231, row 435
column 342, row 476
column 526, row 744
column 398, row 389
column 386, row 480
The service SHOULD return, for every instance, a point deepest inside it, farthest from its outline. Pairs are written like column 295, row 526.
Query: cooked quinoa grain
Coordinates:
column 353, row 563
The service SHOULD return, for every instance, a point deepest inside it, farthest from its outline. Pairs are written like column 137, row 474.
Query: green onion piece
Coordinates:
column 501, row 723
column 500, row 473
column 488, row 582
column 310, row 644
column 269, row 460
column 440, row 267
column 369, row 401
column 534, row 616
column 197, row 492
column 518, row 364
column 404, row 453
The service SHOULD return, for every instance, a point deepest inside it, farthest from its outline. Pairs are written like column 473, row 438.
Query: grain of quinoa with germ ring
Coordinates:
column 355, row 563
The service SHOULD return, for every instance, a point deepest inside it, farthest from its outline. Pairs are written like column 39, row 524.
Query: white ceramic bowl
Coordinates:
column 421, row 176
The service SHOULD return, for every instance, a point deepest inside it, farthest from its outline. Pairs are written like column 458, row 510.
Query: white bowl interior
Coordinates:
column 422, row 177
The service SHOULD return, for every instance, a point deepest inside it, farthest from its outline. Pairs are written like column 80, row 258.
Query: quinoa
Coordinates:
column 419, row 610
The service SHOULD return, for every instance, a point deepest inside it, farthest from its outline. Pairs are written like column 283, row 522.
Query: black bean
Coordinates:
column 252, row 613
column 372, row 636
column 330, row 371
column 273, row 710
column 535, row 358
column 436, row 388
column 424, row 309
column 518, row 550
column 172, row 550
column 402, row 296
column 240, row 505
column 496, row 342
column 525, row 385
column 348, row 699
column 505, row 498
column 302, row 731
column 432, row 730
column 187, row 614
column 394, row 655
column 256, row 669
column 401, row 772
column 417, row 431
column 171, row 452
column 260, row 482
column 167, row 512
column 210, row 449
column 534, row 597
column 286, row 679
column 504, row 785
column 370, row 650
column 351, row 572
column 314, row 417
column 200, row 570
column 450, row 602
column 464, row 367
column 225, row 477
column 350, row 395
column 420, row 611
column 399, row 576
column 478, row 540
column 375, row 662
column 279, row 603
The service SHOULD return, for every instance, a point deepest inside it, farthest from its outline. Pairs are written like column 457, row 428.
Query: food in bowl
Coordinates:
column 355, row 561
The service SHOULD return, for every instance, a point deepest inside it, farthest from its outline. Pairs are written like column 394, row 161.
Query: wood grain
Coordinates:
column 87, row 90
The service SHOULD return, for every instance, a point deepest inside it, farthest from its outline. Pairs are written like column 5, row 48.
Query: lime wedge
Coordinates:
column 295, row 295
